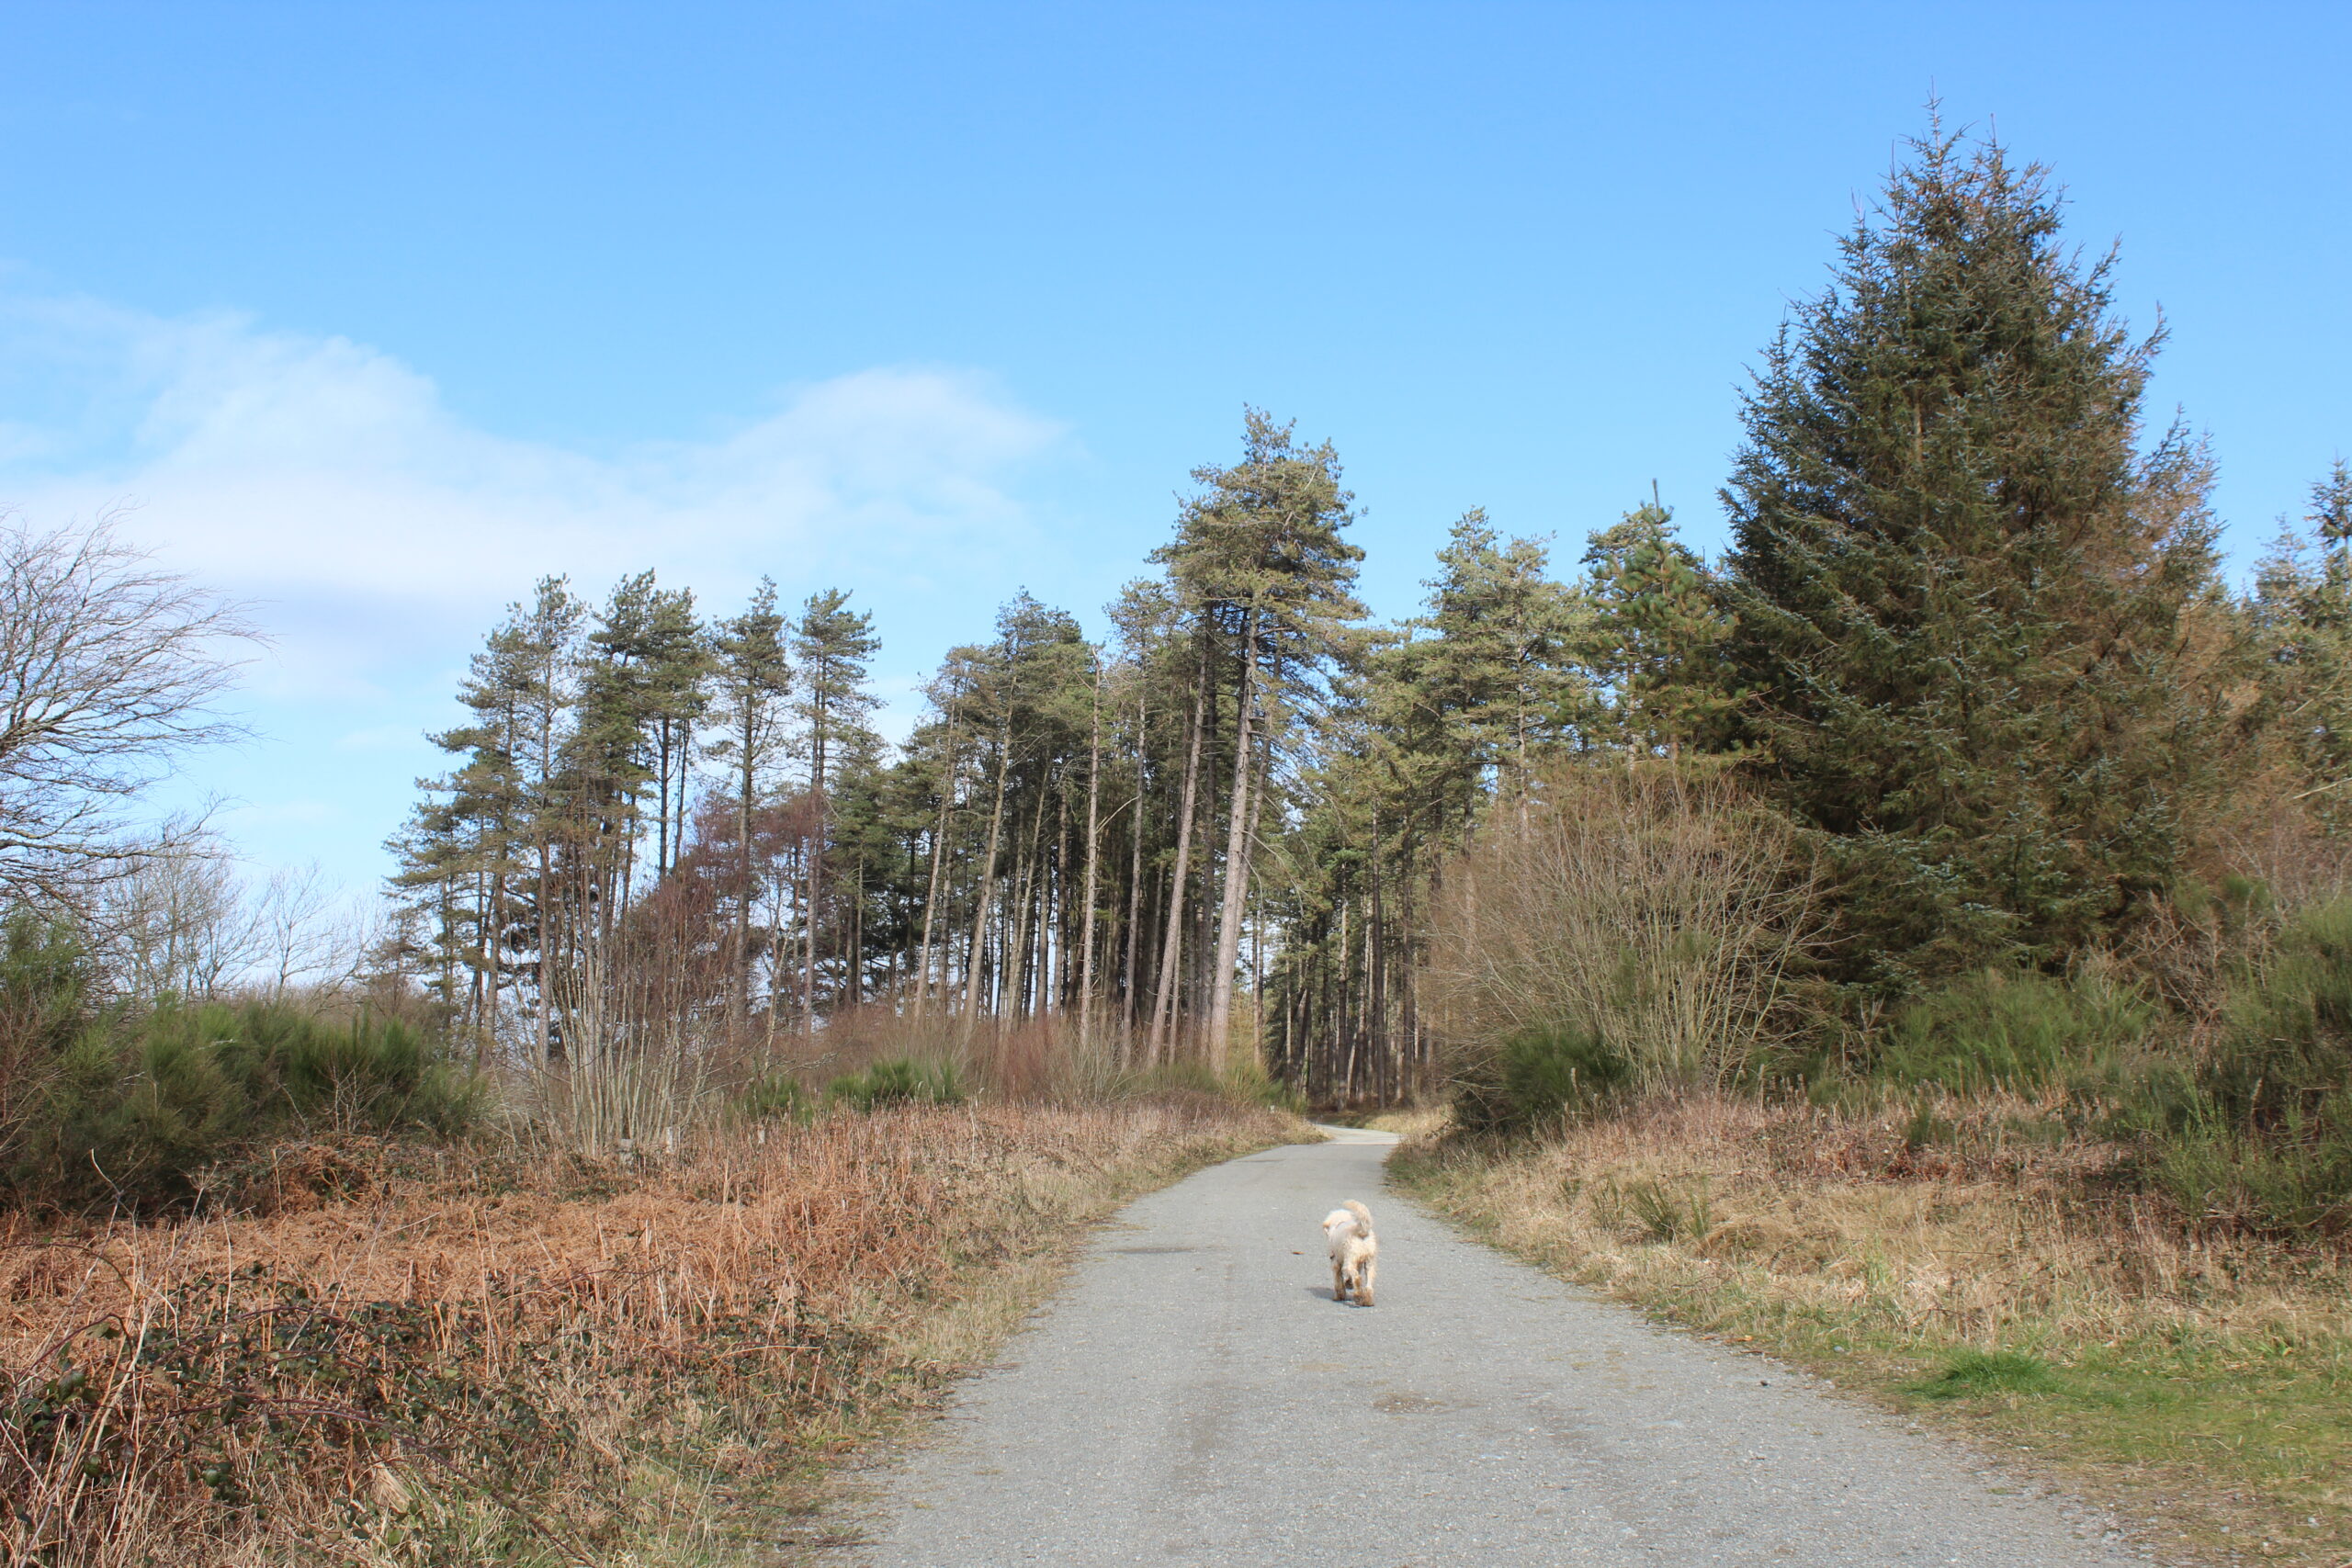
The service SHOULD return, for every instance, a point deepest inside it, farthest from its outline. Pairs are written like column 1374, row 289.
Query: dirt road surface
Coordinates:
column 1195, row 1397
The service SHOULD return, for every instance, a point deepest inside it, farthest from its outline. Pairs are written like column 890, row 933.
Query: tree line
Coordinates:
column 1971, row 643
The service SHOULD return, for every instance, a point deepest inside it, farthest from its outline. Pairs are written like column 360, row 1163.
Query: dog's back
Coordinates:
column 1354, row 1249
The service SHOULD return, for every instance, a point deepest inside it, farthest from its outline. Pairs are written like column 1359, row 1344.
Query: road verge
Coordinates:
column 2203, row 1389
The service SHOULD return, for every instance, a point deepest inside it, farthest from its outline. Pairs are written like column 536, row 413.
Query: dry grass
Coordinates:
column 1976, row 1267
column 502, row 1357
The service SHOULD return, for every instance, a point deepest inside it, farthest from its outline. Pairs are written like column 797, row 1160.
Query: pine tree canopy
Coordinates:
column 1963, row 591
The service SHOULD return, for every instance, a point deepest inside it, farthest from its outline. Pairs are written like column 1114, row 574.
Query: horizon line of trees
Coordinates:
column 1971, row 641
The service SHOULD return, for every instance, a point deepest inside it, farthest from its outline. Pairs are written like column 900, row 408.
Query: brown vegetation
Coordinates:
column 408, row 1355
column 1656, row 900
column 1977, row 1264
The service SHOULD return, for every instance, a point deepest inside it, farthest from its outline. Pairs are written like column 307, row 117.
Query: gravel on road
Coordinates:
column 1194, row 1396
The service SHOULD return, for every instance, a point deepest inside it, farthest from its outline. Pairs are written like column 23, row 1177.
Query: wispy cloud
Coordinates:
column 379, row 534
column 331, row 481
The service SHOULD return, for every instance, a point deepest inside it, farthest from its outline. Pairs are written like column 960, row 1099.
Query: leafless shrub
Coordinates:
column 1655, row 908
column 109, row 668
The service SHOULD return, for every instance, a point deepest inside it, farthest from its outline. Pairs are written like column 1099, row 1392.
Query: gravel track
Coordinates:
column 1195, row 1397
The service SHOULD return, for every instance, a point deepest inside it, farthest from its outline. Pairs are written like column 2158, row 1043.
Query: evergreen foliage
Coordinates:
column 1537, row 1077
column 1655, row 637
column 2019, row 1031
column 897, row 1082
column 133, row 1111
column 2302, row 615
column 1962, row 597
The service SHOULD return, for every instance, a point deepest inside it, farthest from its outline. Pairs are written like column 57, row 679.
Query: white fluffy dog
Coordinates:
column 1354, row 1250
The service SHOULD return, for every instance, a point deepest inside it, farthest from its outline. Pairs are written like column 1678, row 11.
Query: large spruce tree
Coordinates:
column 1963, row 588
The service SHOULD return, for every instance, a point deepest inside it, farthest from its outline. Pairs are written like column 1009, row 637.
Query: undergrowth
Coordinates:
column 2003, row 1269
column 122, row 1108
column 469, row 1355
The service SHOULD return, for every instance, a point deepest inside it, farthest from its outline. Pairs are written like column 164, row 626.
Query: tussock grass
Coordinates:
column 1990, row 1277
column 418, row 1356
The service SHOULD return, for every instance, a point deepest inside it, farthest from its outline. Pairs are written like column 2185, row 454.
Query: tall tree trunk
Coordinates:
column 1131, row 986
column 1376, row 971
column 740, row 1004
column 1173, row 937
column 930, row 896
column 987, row 874
column 661, row 794
column 1238, row 846
column 1056, row 916
column 491, row 947
column 686, row 776
column 551, row 1049
column 485, row 971
column 1020, row 947
column 855, row 979
column 1086, row 917
column 815, row 860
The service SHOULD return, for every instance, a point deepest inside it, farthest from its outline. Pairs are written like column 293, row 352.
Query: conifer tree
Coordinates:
column 833, row 645
column 676, row 658
column 1657, row 635
column 537, row 651
column 1487, row 681
column 2302, row 619
column 1260, row 556
column 751, row 677
column 608, row 757
column 1959, row 591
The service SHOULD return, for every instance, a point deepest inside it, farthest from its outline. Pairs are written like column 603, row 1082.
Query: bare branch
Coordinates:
column 110, row 668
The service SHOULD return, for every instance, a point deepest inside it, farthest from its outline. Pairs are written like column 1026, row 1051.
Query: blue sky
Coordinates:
column 373, row 313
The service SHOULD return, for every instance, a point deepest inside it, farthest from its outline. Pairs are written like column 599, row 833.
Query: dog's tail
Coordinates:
column 1362, row 1214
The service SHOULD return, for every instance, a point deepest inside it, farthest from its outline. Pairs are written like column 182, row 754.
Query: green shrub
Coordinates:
column 775, row 1097
column 133, row 1109
column 2258, row 1133
column 898, row 1083
column 1180, row 1077
column 2283, row 1061
column 46, row 979
column 2016, row 1030
column 1537, row 1077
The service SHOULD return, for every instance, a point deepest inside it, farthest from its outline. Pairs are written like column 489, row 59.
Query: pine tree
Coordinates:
column 2302, row 620
column 1486, row 681
column 1262, row 558
column 833, row 646
column 538, row 650
column 676, row 658
column 609, row 758
column 1657, row 635
column 1959, row 597
column 751, row 677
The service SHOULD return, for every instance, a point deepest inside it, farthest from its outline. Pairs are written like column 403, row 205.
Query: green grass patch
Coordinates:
column 1988, row 1371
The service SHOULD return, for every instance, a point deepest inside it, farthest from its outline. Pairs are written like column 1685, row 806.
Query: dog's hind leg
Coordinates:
column 1364, row 1281
column 1338, row 1280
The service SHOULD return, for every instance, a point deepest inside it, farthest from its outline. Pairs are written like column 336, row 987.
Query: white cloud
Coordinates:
column 329, row 480
column 379, row 534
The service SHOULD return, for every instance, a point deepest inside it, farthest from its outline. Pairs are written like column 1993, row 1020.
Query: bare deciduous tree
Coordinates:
column 183, row 922
column 109, row 668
